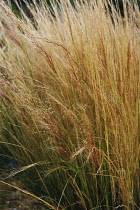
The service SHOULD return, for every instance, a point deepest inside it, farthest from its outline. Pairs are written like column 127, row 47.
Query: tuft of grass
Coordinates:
column 70, row 103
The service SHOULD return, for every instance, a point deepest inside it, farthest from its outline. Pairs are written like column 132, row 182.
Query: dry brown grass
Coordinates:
column 70, row 103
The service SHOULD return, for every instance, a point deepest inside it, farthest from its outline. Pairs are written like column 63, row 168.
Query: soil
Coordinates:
column 13, row 199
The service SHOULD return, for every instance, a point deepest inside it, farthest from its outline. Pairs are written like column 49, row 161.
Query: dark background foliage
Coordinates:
column 118, row 4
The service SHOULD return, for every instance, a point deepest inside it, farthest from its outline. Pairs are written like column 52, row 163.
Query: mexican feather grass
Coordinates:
column 69, row 101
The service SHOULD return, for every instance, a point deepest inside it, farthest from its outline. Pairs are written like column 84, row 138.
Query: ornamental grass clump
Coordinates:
column 70, row 103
